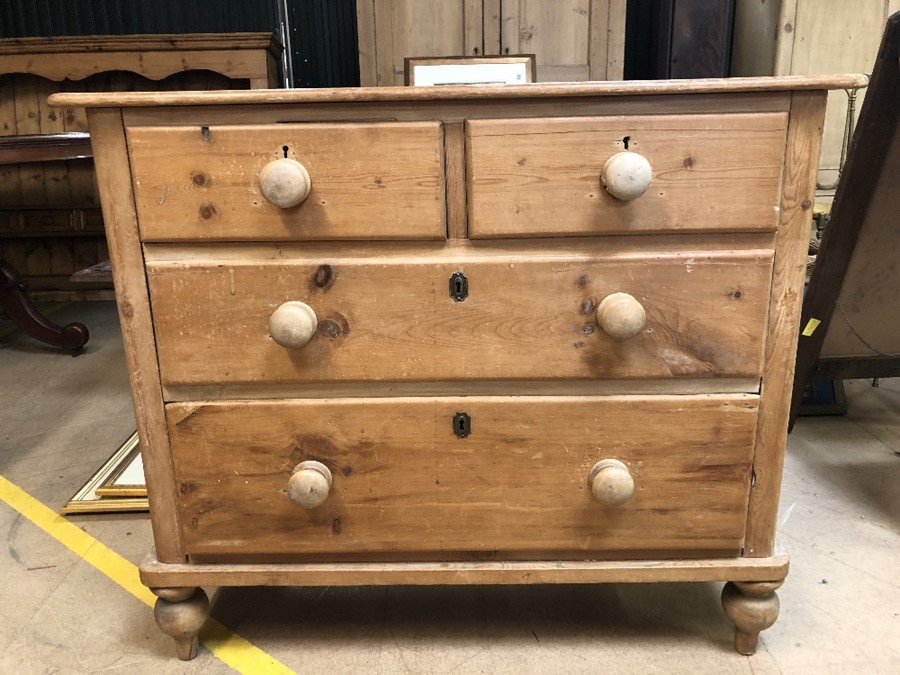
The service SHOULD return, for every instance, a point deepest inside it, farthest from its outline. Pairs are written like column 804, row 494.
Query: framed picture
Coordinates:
column 434, row 71
column 117, row 486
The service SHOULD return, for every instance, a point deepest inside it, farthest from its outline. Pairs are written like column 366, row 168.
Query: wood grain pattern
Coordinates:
column 369, row 181
column 530, row 317
column 404, row 483
column 156, row 574
column 478, row 92
column 114, row 177
column 455, row 171
column 798, row 191
column 542, row 177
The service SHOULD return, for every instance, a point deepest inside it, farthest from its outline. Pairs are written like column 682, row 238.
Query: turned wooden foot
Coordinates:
column 181, row 613
column 751, row 607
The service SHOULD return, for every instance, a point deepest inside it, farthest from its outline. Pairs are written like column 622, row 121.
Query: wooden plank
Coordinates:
column 10, row 180
column 615, row 47
column 473, row 27
column 719, row 385
column 492, row 20
column 798, row 191
column 114, row 175
column 703, row 316
column 455, row 172
column 843, row 38
column 462, row 92
column 866, row 199
column 786, row 36
column 598, row 39
column 404, row 483
column 541, row 177
column 28, row 121
column 455, row 110
column 365, row 28
column 160, row 575
column 56, row 173
column 369, row 181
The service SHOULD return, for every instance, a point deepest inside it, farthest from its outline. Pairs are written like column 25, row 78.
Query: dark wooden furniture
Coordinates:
column 14, row 301
column 857, row 272
column 677, row 39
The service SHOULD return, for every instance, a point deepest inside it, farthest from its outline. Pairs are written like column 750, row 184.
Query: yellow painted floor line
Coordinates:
column 229, row 647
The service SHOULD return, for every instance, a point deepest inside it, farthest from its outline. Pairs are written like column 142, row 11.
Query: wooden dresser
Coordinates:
column 462, row 335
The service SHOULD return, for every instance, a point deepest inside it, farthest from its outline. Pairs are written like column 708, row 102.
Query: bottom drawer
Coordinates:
column 406, row 486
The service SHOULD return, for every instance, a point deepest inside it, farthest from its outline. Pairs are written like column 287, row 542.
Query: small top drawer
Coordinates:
column 543, row 177
column 366, row 181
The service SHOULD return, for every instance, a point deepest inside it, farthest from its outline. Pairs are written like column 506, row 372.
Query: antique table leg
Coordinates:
column 751, row 607
column 26, row 316
column 181, row 613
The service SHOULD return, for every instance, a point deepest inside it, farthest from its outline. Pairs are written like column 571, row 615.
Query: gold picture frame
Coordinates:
column 104, row 493
column 427, row 71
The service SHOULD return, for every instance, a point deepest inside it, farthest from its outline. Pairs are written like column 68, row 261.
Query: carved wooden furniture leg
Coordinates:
column 26, row 316
column 751, row 607
column 181, row 613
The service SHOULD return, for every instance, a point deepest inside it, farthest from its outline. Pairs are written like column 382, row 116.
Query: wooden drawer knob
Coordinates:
column 611, row 482
column 621, row 316
column 626, row 175
column 309, row 484
column 293, row 324
column 284, row 182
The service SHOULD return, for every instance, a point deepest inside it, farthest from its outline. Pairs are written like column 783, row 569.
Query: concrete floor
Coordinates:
column 61, row 417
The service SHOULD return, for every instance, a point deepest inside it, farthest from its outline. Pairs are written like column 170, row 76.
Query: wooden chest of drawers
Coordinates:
column 533, row 334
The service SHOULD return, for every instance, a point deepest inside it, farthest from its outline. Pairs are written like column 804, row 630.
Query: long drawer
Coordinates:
column 368, row 181
column 542, row 177
column 529, row 317
column 404, row 484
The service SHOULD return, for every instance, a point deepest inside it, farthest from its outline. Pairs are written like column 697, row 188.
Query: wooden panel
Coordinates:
column 114, row 176
column 28, row 121
column 10, row 181
column 160, row 575
column 557, row 33
column 804, row 137
column 572, row 39
column 519, row 483
column 813, row 36
column 542, row 177
column 418, row 28
column 375, row 181
column 830, row 37
column 526, row 317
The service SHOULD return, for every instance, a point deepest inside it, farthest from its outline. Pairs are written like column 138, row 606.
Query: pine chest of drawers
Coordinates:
column 459, row 335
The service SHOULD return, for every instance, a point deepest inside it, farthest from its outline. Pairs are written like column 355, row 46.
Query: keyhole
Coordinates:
column 285, row 150
column 462, row 424
column 625, row 142
column 475, row 51
column 459, row 286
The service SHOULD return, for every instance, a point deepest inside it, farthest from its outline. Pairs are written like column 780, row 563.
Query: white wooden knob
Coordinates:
column 626, row 175
column 309, row 484
column 621, row 316
column 284, row 182
column 611, row 482
column 293, row 324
